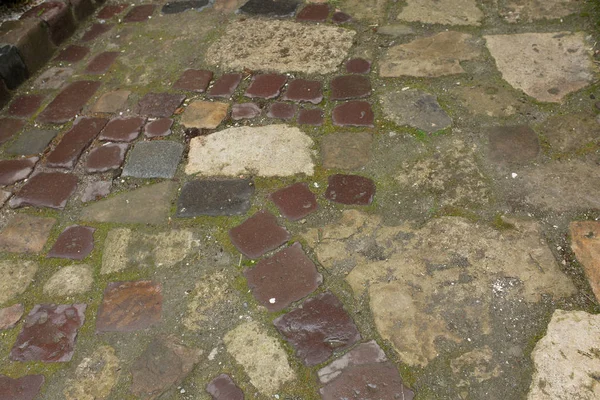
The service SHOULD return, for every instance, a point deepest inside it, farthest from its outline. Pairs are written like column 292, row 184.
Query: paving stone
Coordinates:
column 46, row 189
column 58, row 16
column 358, row 66
column 225, row 86
column 204, row 114
column 140, row 13
column 9, row 317
column 285, row 46
column 164, row 363
column 346, row 151
column 339, row 17
column 353, row 113
column 68, row 102
column 272, row 8
column 49, row 333
column 95, row 31
column 74, row 142
column 108, row 157
column 416, row 109
column 26, row 105
column 195, row 80
column 130, row 306
column 24, row 388
column 295, row 202
column 258, row 235
column 313, row 116
column 314, row 13
column 69, row 281
column 95, row 191
column 72, row 53
column 215, row 197
column 146, row 205
column 350, row 189
column 350, row 87
column 111, row 102
column 570, row 132
column 279, row 280
column 546, row 66
column 53, row 78
column 395, row 30
column 12, row 171
column 158, row 128
column 280, row 110
column 122, row 129
column 25, row 234
column 155, row 159
column 372, row 11
column 12, row 68
column 300, row 90
column 4, row 196
column 364, row 353
column 175, row 7
column 244, row 111
column 513, row 144
column 264, row 151
column 446, row 12
column 94, row 377
column 101, row 63
column 317, row 328
column 32, row 141
column 159, row 104
column 564, row 363
column 32, row 39
column 430, row 56
column 111, row 10
column 75, row 242
column 490, row 100
column 262, row 356
column 266, row 86
column 530, row 10
column 9, row 127
column 584, row 236
column 224, row 388
column 17, row 275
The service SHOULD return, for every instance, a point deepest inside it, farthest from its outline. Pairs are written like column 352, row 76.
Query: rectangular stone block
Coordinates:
column 69, row 102
column 67, row 152
column 59, row 17
column 12, row 68
column 32, row 38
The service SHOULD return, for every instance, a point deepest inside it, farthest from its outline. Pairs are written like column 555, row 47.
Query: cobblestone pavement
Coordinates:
column 287, row 199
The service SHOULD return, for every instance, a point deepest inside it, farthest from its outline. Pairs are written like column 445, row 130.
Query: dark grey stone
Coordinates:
column 12, row 68
column 176, row 7
column 215, row 197
column 32, row 38
column 33, row 141
column 156, row 159
column 274, row 8
column 415, row 108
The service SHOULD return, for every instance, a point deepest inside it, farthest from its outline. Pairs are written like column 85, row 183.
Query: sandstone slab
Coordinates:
column 571, row 132
column 416, row 109
column 444, row 12
column 9, row 316
column 111, row 102
column 531, row 10
column 204, row 114
column 371, row 11
column 25, row 234
column 94, row 377
column 18, row 276
column 585, row 237
column 70, row 280
column 490, row 100
column 346, row 151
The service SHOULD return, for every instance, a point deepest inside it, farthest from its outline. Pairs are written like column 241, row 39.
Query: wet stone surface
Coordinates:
column 273, row 8
column 31, row 141
column 313, row 13
column 68, row 102
column 75, row 242
column 73, row 53
column 310, row 117
column 215, row 197
column 346, row 151
column 159, row 104
column 155, row 159
column 224, row 388
column 107, row 157
column 23, row 388
column 266, row 86
column 26, row 105
column 513, row 144
column 258, row 235
column 111, row 10
column 225, row 86
column 49, row 333
column 25, row 234
column 95, row 31
column 122, row 129
column 9, row 316
column 74, row 142
column 194, row 80
column 295, row 202
column 358, row 66
column 9, row 127
column 350, row 189
column 46, row 189
column 283, row 111
column 140, row 13
column 244, row 111
column 158, row 128
column 303, row 90
column 102, row 62
column 12, row 171
column 350, row 87
column 353, row 113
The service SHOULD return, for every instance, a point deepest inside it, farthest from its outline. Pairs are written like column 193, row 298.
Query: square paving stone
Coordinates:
column 350, row 87
column 75, row 242
column 49, row 333
column 24, row 388
column 283, row 111
column 122, row 129
column 69, row 102
column 72, row 54
column 95, row 31
column 46, row 189
column 204, row 114
column 32, row 141
column 258, row 235
column 358, row 66
column 346, row 150
column 244, row 111
column 224, row 388
column 9, row 127
column 140, row 13
column 25, row 106
column 101, row 63
column 12, row 171
column 266, row 86
column 215, row 197
column 314, row 13
column 353, row 113
column 317, row 328
column 156, row 159
column 225, row 86
column 111, row 102
column 288, row 276
column 350, row 189
column 273, row 8
column 312, row 116
column 25, row 234
column 111, row 10
column 195, row 80
column 159, row 104
column 300, row 90
column 74, row 142
column 158, row 128
column 513, row 144
column 130, row 306
column 9, row 316
column 295, row 202
column 107, row 157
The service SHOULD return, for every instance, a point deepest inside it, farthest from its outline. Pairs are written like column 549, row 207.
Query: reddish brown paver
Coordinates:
column 317, row 328
column 513, row 144
column 140, row 13
column 340, row 17
column 350, row 87
column 8, row 128
column 46, row 189
column 288, row 276
column 353, row 113
column 194, row 80
column 102, row 62
column 25, row 106
column 49, row 333
column 258, row 234
column 58, row 18
column 111, row 10
column 312, row 116
column 75, row 141
column 266, row 86
column 224, row 388
column 130, row 306
column 12, row 171
column 295, row 202
column 225, row 86
column 75, row 242
column 25, row 234
column 244, row 111
column 314, row 13
column 24, row 388
column 69, row 102
column 303, row 90
column 159, row 127
column 350, row 189
column 9, row 317
column 72, row 53
column 95, row 31
column 122, row 129
column 358, row 66
column 159, row 104
column 107, row 157
column 280, row 110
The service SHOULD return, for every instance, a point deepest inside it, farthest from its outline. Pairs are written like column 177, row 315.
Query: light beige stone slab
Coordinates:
column 585, row 242
column 368, row 10
column 445, row 12
column 204, row 114
column 94, row 377
column 16, row 277
column 25, row 234
column 531, row 10
column 111, row 102
column 70, row 280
